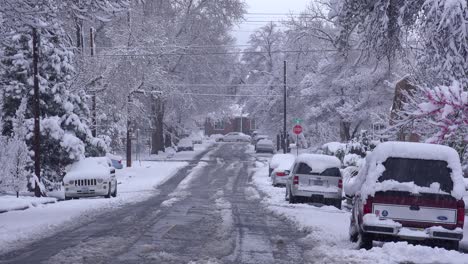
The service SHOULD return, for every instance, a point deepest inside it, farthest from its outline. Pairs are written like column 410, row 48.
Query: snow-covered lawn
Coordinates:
column 10, row 202
column 327, row 229
column 135, row 184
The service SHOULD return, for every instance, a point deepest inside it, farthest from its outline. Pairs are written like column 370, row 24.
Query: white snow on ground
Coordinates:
column 135, row 184
column 9, row 202
column 327, row 229
column 170, row 154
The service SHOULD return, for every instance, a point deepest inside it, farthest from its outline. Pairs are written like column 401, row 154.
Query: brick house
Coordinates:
column 230, row 125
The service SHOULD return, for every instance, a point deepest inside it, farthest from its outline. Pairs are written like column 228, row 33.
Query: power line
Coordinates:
column 213, row 53
column 277, row 95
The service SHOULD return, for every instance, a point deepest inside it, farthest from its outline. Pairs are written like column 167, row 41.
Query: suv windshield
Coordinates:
column 305, row 169
column 422, row 172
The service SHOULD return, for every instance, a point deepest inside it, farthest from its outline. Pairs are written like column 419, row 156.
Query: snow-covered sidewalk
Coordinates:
column 11, row 203
column 135, row 184
column 171, row 155
column 327, row 229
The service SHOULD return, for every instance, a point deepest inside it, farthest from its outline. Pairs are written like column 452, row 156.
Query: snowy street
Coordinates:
column 220, row 208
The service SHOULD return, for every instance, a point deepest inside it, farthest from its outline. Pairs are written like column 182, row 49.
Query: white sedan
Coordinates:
column 90, row 177
column 236, row 137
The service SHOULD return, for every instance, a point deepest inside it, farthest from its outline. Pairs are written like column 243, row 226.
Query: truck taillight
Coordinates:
column 296, row 180
column 367, row 206
column 460, row 213
column 280, row 174
column 340, row 183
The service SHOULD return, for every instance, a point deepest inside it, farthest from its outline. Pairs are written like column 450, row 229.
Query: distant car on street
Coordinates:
column 280, row 166
column 257, row 137
column 315, row 178
column 115, row 160
column 90, row 177
column 216, row 137
column 265, row 145
column 185, row 144
column 236, row 137
column 408, row 191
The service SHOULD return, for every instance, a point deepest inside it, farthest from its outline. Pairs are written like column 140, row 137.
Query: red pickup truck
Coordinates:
column 408, row 191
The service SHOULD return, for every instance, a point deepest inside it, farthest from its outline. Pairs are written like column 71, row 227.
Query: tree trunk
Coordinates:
column 345, row 131
column 158, row 133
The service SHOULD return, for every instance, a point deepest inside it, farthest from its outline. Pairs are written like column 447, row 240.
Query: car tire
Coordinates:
column 108, row 195
column 292, row 199
column 337, row 203
column 364, row 240
column 452, row 245
column 68, row 198
column 114, row 194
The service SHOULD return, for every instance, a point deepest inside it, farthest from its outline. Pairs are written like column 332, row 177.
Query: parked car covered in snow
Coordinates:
column 115, row 160
column 236, row 137
column 280, row 165
column 408, row 191
column 265, row 145
column 315, row 178
column 277, row 160
column 217, row 137
column 185, row 144
column 90, row 177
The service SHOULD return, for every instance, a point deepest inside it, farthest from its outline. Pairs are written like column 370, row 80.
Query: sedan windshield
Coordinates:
column 422, row 172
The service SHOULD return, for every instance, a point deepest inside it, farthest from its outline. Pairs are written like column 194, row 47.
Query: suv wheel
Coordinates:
column 337, row 203
column 108, row 195
column 114, row 194
column 292, row 198
column 68, row 198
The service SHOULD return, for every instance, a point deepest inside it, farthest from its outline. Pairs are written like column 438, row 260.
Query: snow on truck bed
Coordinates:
column 367, row 179
column 318, row 162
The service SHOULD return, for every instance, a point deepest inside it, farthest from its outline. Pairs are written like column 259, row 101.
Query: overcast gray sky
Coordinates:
column 261, row 11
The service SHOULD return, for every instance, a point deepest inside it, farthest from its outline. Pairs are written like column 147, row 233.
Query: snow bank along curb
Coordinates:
column 11, row 203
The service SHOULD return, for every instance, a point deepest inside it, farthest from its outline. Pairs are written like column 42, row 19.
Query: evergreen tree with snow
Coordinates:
column 65, row 135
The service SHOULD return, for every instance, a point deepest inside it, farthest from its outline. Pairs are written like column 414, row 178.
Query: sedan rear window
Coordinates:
column 305, row 169
column 422, row 172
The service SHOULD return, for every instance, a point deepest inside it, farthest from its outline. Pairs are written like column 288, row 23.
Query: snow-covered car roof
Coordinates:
column 93, row 167
column 282, row 161
column 265, row 142
column 185, row 142
column 333, row 147
column 319, row 162
column 367, row 180
column 113, row 156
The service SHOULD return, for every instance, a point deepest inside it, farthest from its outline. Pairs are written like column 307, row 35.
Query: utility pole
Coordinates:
column 94, row 114
column 285, row 140
column 129, row 133
column 36, row 108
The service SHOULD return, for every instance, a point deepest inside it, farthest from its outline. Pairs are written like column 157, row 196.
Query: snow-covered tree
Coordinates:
column 65, row 136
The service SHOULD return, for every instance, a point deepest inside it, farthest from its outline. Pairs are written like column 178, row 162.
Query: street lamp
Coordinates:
column 129, row 130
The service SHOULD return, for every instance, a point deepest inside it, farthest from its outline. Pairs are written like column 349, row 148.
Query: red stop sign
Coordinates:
column 297, row 129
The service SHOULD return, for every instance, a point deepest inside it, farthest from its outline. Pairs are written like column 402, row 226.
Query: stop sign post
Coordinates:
column 297, row 129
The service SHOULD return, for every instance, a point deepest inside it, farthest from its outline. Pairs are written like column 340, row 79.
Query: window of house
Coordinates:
column 219, row 125
column 253, row 124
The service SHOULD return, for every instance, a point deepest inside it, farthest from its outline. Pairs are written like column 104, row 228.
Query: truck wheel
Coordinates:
column 364, row 241
column 452, row 245
column 108, row 195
